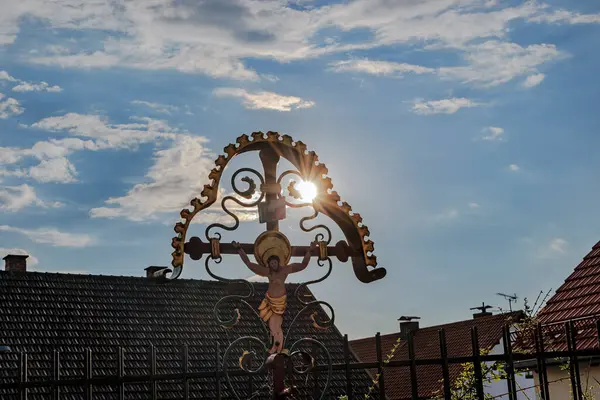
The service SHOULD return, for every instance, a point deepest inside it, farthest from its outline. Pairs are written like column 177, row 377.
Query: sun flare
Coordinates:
column 307, row 190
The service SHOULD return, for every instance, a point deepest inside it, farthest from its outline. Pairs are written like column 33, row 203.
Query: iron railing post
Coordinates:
column 414, row 384
column 381, row 380
column 543, row 373
column 477, row 364
column 445, row 366
column 347, row 369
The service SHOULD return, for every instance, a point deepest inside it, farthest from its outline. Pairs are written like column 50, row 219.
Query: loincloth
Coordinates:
column 272, row 305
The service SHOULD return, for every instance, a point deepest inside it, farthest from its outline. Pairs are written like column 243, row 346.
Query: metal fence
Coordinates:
column 529, row 353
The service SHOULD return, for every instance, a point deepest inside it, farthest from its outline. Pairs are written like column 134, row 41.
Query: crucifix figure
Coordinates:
column 272, row 252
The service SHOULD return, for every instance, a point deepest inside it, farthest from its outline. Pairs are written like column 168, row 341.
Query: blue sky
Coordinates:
column 464, row 132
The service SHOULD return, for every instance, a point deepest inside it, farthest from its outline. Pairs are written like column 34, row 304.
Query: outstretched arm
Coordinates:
column 297, row 267
column 254, row 267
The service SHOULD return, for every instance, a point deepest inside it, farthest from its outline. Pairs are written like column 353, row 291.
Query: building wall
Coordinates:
column 500, row 388
column 560, row 382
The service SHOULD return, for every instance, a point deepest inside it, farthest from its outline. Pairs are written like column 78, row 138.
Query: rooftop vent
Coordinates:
column 15, row 263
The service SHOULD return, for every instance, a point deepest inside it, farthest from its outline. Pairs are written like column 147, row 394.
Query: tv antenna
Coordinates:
column 511, row 299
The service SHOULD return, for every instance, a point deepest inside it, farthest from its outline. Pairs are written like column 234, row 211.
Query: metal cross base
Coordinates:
column 276, row 362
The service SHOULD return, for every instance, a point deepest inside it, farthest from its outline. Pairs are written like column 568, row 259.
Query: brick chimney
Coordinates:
column 15, row 263
column 407, row 325
column 154, row 272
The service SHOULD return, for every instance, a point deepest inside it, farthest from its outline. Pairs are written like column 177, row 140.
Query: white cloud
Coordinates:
column 178, row 175
column 161, row 108
column 57, row 170
column 514, row 168
column 385, row 68
column 264, row 100
column 487, row 64
column 533, row 80
column 214, row 37
column 24, row 86
column 565, row 16
column 555, row 247
column 9, row 107
column 257, row 278
column 31, row 261
column 36, row 87
column 15, row 198
column 52, row 236
column 474, row 205
column 493, row 133
column 97, row 134
column 444, row 106
column 558, row 245
column 494, row 62
column 5, row 76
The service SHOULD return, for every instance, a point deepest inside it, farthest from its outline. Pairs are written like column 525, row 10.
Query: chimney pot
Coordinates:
column 15, row 263
column 154, row 272
column 407, row 325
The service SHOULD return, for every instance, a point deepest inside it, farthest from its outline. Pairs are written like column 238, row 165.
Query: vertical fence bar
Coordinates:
column 543, row 373
column 218, row 370
column 381, row 380
column 573, row 362
column 121, row 372
column 510, row 365
column 445, row 366
column 152, row 372
column 88, row 374
column 414, row 384
column 55, row 374
column 477, row 363
column 539, row 363
column 250, row 376
column 22, row 375
column 347, row 369
column 315, row 353
column 185, row 368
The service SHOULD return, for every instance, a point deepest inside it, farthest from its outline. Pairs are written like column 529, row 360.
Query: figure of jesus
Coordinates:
column 273, row 305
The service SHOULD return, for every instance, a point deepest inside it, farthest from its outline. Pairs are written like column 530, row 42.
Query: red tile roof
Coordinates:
column 426, row 340
column 577, row 299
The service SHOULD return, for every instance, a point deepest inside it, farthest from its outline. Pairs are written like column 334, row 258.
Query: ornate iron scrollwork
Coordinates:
column 271, row 202
column 327, row 202
column 247, row 194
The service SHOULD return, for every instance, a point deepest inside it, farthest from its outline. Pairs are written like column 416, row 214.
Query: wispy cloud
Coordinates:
column 158, row 107
column 52, row 236
column 15, row 198
column 533, row 80
column 384, row 68
column 91, row 133
column 264, row 100
column 444, row 106
column 555, row 247
column 514, row 168
column 25, row 86
column 178, row 175
column 9, row 107
column 493, row 133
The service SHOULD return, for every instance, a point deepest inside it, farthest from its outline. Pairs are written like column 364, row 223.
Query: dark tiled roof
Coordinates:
column 577, row 299
column 427, row 346
column 42, row 312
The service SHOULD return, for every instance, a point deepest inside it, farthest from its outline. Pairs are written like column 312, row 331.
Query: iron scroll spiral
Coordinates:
column 248, row 193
